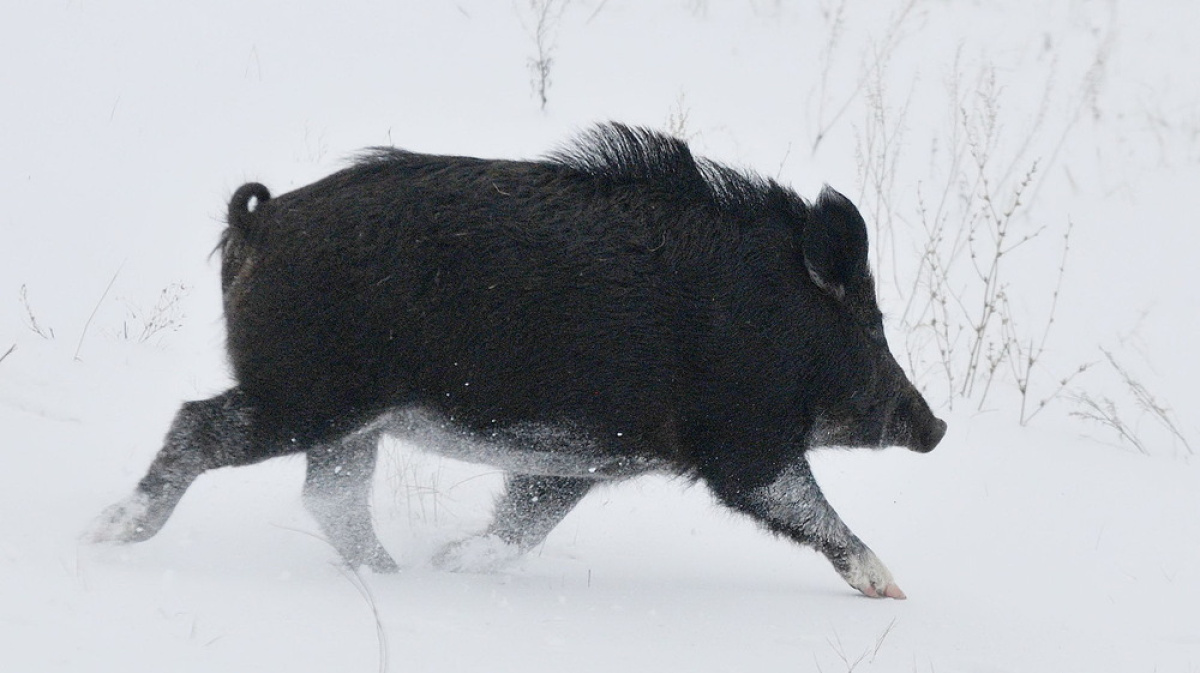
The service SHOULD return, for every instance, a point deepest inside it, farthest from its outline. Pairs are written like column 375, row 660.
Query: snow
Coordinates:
column 1047, row 547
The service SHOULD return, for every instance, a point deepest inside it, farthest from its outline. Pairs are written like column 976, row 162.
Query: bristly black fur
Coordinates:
column 618, row 154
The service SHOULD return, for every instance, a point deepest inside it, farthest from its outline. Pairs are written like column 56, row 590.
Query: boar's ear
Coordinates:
column 834, row 244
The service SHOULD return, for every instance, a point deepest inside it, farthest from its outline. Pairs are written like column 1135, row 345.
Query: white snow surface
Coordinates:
column 1052, row 546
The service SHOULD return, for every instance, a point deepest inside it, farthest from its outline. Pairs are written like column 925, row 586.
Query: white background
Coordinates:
column 1051, row 546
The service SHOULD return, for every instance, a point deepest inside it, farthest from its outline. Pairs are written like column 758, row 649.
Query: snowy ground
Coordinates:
column 1048, row 547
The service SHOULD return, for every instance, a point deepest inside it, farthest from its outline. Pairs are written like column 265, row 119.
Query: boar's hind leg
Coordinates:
column 532, row 506
column 793, row 505
column 337, row 492
column 205, row 435
column 529, row 509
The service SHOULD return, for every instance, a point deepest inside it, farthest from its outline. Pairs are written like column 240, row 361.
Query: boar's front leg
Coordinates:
column 337, row 492
column 793, row 505
column 530, row 508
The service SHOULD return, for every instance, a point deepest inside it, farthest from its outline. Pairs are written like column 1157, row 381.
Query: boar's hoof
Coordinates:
column 867, row 573
column 384, row 566
column 479, row 554
column 131, row 520
column 379, row 562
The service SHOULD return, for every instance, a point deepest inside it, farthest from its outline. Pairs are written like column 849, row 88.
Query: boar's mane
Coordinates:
column 616, row 154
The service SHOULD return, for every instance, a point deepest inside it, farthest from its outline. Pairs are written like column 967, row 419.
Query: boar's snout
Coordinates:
column 914, row 426
column 933, row 434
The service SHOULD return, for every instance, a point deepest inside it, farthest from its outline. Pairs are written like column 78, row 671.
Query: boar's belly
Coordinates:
column 555, row 450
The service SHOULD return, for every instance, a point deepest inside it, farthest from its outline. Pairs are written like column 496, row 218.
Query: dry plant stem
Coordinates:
column 840, row 651
column 1148, row 403
column 31, row 319
column 883, row 52
column 879, row 146
column 787, row 152
column 597, row 11
column 978, row 316
column 546, row 16
column 165, row 315
column 96, row 308
column 935, row 227
column 994, row 303
column 1023, row 362
column 352, row 575
column 8, row 352
column 1105, row 413
column 934, row 305
column 1089, row 89
column 422, row 497
column 963, row 309
column 677, row 119
column 834, row 18
column 932, row 282
column 882, row 636
column 1054, row 394
column 356, row 580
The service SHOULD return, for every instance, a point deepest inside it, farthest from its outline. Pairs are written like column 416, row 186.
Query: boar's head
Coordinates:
column 856, row 392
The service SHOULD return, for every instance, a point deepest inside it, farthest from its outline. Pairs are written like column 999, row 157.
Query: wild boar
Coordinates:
column 616, row 308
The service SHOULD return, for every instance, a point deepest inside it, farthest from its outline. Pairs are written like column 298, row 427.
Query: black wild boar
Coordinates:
column 618, row 308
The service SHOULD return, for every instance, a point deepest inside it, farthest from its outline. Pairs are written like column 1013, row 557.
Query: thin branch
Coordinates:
column 1105, row 413
column 356, row 579
column 96, row 308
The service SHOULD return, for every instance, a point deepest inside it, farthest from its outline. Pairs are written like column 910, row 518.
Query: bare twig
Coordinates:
column 594, row 13
column 352, row 575
column 96, row 308
column 165, row 315
column 1104, row 411
column 882, row 53
column 356, row 580
column 1023, row 362
column 1058, row 391
column 878, row 151
column 1148, row 403
column 840, row 651
column 546, row 17
column 31, row 319
column 883, row 636
column 677, row 119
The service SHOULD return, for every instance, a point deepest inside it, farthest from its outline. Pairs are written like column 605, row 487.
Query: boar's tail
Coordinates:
column 239, row 204
column 240, row 216
column 232, row 245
